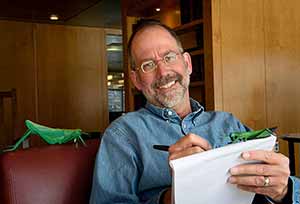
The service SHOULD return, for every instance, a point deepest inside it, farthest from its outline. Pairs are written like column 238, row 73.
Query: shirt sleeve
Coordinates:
column 295, row 189
column 292, row 195
column 117, row 171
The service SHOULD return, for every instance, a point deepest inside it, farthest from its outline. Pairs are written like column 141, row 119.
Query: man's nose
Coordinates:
column 161, row 68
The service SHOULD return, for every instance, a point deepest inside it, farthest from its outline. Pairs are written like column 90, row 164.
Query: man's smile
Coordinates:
column 168, row 85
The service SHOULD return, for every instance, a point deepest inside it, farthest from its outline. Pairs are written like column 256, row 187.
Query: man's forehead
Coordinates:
column 149, row 31
column 153, row 39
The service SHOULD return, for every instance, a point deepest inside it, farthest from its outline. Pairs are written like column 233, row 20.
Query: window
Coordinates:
column 115, row 77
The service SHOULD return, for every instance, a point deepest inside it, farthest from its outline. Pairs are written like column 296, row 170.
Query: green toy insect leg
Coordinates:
column 24, row 137
column 80, row 138
column 77, row 139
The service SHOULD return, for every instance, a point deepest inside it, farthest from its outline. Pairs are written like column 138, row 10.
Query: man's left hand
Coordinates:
column 269, row 178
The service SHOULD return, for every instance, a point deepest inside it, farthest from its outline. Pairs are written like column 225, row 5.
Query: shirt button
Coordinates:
column 184, row 126
column 170, row 113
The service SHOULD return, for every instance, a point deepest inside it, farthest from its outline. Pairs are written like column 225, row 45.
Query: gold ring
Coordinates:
column 266, row 181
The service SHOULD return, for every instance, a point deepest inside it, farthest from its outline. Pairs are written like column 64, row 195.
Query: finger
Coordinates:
column 256, row 181
column 259, row 190
column 269, row 157
column 260, row 169
column 188, row 141
column 185, row 152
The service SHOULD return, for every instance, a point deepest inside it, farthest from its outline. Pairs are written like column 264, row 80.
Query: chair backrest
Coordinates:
column 59, row 174
column 7, row 128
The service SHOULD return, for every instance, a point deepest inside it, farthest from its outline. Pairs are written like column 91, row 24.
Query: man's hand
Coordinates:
column 188, row 145
column 269, row 178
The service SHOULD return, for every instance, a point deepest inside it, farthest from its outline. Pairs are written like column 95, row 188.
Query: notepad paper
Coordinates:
column 202, row 178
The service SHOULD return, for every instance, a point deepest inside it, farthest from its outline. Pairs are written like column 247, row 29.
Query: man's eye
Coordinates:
column 148, row 65
column 171, row 57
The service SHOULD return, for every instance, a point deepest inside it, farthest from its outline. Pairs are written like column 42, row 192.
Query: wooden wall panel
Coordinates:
column 72, row 86
column 217, row 54
column 16, row 71
column 282, row 31
column 256, row 62
column 242, row 60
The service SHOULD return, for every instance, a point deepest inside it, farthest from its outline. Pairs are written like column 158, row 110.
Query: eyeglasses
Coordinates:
column 150, row 65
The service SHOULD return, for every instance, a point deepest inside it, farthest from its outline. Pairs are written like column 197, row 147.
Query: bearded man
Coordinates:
column 129, row 171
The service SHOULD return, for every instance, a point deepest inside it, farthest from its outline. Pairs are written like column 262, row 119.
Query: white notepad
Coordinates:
column 202, row 178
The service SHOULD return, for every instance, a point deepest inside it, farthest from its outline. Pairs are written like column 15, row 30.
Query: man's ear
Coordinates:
column 188, row 62
column 135, row 80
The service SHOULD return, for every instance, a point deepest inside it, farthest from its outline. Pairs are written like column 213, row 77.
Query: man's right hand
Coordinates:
column 188, row 145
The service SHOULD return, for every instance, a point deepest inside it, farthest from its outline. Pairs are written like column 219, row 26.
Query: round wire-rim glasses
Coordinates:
column 150, row 65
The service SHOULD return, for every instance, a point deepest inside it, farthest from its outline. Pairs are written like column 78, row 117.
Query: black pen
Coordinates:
column 161, row 147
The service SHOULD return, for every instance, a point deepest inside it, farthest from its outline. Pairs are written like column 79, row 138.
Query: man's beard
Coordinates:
column 174, row 96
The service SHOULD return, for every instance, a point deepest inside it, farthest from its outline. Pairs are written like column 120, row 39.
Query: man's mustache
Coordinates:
column 167, row 79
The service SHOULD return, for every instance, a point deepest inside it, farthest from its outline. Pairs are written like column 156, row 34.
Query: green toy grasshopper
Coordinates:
column 250, row 135
column 50, row 135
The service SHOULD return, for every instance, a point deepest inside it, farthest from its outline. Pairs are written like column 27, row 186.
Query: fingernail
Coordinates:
column 231, row 180
column 246, row 155
column 233, row 170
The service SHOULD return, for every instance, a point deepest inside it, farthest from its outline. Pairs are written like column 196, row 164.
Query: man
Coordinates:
column 129, row 170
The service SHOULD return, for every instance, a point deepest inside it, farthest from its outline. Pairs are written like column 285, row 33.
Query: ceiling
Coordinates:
column 97, row 13
column 146, row 8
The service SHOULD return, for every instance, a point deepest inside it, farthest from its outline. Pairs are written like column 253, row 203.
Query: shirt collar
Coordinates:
column 168, row 113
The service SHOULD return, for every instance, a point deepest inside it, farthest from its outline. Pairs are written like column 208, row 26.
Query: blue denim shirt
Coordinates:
column 129, row 170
